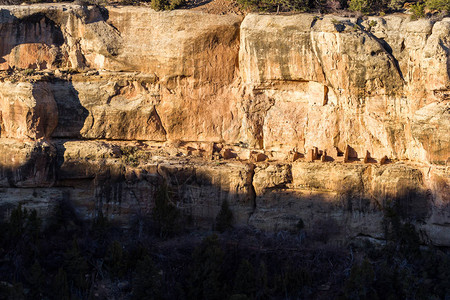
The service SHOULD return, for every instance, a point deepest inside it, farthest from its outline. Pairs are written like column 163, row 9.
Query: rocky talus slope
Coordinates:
column 319, row 118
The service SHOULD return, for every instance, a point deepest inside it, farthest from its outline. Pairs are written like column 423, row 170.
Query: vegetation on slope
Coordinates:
column 158, row 259
column 419, row 8
column 358, row 6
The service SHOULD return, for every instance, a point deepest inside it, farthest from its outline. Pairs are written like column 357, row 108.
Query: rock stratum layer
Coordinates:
column 319, row 118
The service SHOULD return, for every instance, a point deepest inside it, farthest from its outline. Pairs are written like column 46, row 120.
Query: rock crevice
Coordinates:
column 285, row 117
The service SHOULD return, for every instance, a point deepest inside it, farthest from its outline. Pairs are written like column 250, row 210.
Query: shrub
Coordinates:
column 28, row 72
column 418, row 11
column 293, row 281
column 262, row 281
column 100, row 226
column 295, row 5
column 372, row 23
column 334, row 5
column 371, row 6
column 325, row 229
column 17, row 221
column 396, row 4
column 63, row 219
column 16, row 292
column 129, row 154
column 33, row 226
column 364, row 6
column 276, row 5
column 398, row 231
column 166, row 4
column 24, row 225
column 440, row 5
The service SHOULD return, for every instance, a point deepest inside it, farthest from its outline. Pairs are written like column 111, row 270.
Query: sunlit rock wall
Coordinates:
column 319, row 118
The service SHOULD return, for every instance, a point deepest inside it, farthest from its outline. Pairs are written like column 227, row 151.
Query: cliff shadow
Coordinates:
column 71, row 113
column 127, row 195
column 72, row 116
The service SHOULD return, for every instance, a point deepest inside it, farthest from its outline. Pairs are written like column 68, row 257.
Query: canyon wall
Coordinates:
column 323, row 119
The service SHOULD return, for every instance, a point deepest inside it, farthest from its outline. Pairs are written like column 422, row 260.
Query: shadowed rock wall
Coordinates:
column 319, row 118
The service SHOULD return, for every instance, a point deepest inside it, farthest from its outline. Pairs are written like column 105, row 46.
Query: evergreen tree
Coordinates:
column 359, row 284
column 146, row 280
column 224, row 218
column 165, row 214
column 76, row 267
column 205, row 280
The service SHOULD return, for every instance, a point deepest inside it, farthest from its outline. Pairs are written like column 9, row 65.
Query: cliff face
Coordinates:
column 340, row 82
column 324, row 119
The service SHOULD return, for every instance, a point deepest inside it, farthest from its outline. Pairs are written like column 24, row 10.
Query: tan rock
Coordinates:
column 350, row 154
column 431, row 127
column 347, row 153
column 257, row 156
column 380, row 76
column 175, row 83
column 324, row 156
column 28, row 110
column 280, row 93
column 294, row 155
column 270, row 176
column 384, row 160
column 367, row 157
column 26, row 164
column 227, row 153
column 311, row 155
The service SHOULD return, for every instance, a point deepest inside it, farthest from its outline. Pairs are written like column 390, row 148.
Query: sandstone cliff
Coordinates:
column 319, row 118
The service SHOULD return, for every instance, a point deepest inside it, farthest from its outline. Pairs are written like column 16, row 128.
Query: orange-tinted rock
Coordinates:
column 257, row 156
column 357, row 75
column 311, row 155
column 227, row 153
column 367, row 157
column 324, row 157
column 27, row 164
column 294, row 155
column 173, row 83
column 28, row 110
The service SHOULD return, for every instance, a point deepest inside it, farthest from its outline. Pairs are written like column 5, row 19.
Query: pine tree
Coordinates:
column 76, row 267
column 165, row 214
column 224, row 218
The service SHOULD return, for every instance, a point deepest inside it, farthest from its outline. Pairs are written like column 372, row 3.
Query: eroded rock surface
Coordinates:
column 322, row 119
column 28, row 110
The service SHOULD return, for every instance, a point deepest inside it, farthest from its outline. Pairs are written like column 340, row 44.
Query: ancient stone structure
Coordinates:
column 98, row 106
